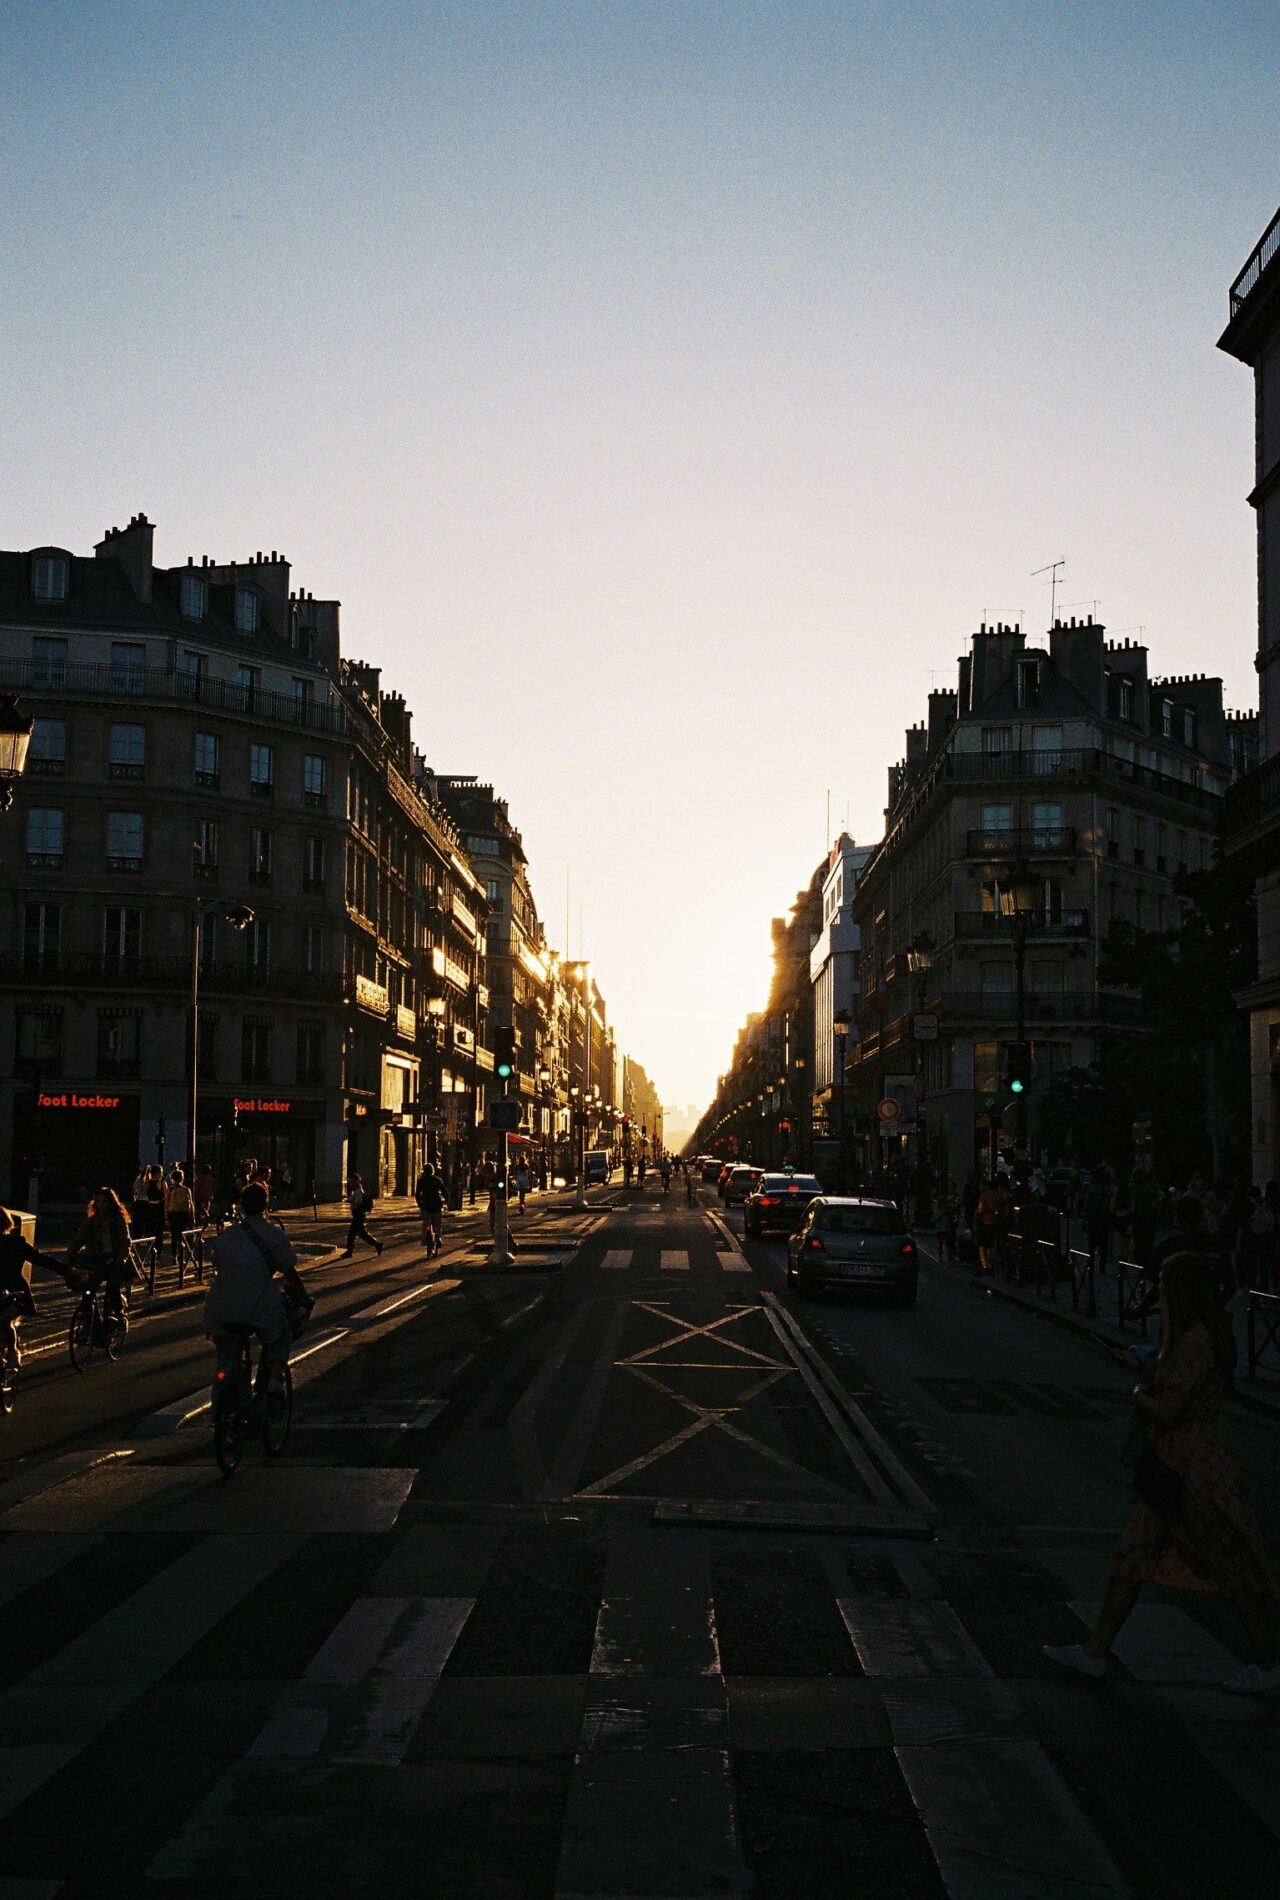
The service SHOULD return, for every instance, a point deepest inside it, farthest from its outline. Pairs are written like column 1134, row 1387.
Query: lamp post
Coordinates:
column 548, row 1124
column 799, row 1065
column 584, row 970
column 842, row 1023
column 1019, row 897
column 919, row 963
column 15, row 737
column 239, row 916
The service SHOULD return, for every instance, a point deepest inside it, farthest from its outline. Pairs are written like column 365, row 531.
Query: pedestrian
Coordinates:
column 179, row 1210
column 361, row 1207
column 429, row 1195
column 1264, row 1233
column 953, row 1221
column 523, row 1182
column 488, row 1175
column 969, row 1200
column 626, row 1171
column 1192, row 1526
column 285, row 1184
column 1144, row 1199
column 1099, row 1206
column 246, row 1172
column 138, row 1211
column 202, row 1192
column 989, row 1218
column 154, row 1190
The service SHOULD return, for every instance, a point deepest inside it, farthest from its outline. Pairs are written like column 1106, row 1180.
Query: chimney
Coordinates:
column 942, row 716
column 1130, row 656
column 994, row 650
column 132, row 547
column 1076, row 650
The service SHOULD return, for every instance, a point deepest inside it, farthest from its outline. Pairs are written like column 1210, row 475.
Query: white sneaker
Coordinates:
column 1254, row 1681
column 1075, row 1657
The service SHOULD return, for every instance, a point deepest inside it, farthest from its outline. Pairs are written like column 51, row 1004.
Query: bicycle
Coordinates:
column 93, row 1325
column 238, row 1407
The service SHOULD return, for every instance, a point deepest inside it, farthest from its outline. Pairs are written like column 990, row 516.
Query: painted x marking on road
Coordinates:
column 688, row 1330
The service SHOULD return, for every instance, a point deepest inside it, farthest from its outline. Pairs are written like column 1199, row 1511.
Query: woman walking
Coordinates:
column 1192, row 1526
column 361, row 1203
column 179, row 1210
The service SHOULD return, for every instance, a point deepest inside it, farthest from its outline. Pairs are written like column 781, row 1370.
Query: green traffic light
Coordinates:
column 1016, row 1086
column 504, row 1070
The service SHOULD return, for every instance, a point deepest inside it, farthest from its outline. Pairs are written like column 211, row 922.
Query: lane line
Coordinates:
column 567, row 1468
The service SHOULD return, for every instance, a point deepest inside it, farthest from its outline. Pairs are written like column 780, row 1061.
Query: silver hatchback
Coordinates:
column 853, row 1245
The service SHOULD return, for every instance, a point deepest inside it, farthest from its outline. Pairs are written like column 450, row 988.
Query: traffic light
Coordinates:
column 503, row 1071
column 1017, row 1067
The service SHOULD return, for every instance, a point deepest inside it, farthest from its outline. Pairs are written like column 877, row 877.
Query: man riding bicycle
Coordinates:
column 17, row 1257
column 246, row 1259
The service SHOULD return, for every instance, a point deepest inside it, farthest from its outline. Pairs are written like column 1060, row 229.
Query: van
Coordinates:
column 597, row 1169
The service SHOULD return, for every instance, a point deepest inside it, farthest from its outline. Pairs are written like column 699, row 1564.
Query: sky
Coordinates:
column 666, row 390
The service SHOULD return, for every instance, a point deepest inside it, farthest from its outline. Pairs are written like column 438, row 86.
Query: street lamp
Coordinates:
column 239, row 916
column 1019, row 893
column 548, row 1132
column 800, row 1109
column 15, row 737
column 584, row 970
column 842, row 1023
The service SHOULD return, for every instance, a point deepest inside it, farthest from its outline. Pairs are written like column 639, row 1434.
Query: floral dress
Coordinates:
column 1212, row 1541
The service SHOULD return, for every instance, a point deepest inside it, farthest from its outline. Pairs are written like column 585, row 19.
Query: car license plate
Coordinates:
column 860, row 1270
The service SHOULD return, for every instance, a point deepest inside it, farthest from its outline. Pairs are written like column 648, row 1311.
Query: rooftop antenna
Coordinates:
column 1051, row 569
column 1092, row 605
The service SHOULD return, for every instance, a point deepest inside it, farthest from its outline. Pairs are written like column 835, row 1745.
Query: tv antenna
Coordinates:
column 1092, row 605
column 1051, row 569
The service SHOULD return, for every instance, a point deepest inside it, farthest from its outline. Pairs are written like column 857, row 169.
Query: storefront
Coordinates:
column 278, row 1132
column 73, row 1139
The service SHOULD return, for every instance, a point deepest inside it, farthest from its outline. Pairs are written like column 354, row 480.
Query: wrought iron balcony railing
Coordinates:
column 992, row 924
column 1058, row 841
column 77, row 677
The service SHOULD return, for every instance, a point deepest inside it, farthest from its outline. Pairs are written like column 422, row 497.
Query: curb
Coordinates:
column 1080, row 1327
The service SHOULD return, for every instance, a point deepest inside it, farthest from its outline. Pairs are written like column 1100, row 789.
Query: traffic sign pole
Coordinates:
column 501, row 1253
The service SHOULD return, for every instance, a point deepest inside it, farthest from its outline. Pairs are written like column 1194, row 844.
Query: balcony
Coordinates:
column 97, row 970
column 406, row 1024
column 990, row 925
column 44, row 860
column 1251, row 818
column 371, row 996
column 1261, row 255
column 1037, row 841
column 999, row 1008
column 128, row 867
column 165, row 685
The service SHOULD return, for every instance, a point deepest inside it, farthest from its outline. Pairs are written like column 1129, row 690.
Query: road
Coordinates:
column 620, row 1573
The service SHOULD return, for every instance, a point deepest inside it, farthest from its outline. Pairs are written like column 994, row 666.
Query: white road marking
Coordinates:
column 616, row 1260
column 674, row 1260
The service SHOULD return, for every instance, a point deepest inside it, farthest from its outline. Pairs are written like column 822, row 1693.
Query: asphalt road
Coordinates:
column 617, row 1573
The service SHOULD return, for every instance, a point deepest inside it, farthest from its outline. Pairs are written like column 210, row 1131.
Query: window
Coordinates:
column 247, row 682
column 1113, row 902
column 208, row 941
column 996, row 740
column 257, row 945
column 47, row 757
column 128, row 666
column 246, row 610
column 40, row 1041
column 1182, row 851
column 191, row 672
column 313, row 864
column 313, row 948
column 127, row 755
column 1051, row 891
column 300, row 695
column 204, row 854
column 124, row 840
column 1162, row 845
column 193, row 596
column 1139, row 840
column 1027, row 682
column 1188, row 726
column 260, row 855
column 48, row 662
column 1113, row 832
column 210, row 1027
column 49, row 576
column 315, row 780
column 121, row 934
column 1047, row 832
column 1204, row 853
column 996, row 819
column 1137, row 910
column 41, row 936
column 493, row 890
column 311, row 1052
column 1125, row 697
column 996, row 980
column 1047, row 979
column 44, row 838
column 262, row 770
column 483, row 847
column 1166, row 718
column 255, row 1049
column 1046, row 751
column 207, row 767
column 119, row 1044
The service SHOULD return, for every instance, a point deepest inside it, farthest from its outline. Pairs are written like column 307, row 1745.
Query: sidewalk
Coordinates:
column 1258, row 1395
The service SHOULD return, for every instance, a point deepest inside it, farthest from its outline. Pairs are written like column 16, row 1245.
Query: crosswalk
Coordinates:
column 670, row 1260
column 308, row 1671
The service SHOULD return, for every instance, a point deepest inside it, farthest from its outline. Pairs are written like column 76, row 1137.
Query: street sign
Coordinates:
column 434, row 1118
column 925, row 1028
column 889, row 1110
column 504, row 1114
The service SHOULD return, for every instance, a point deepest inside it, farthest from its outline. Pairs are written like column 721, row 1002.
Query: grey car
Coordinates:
column 740, row 1184
column 853, row 1245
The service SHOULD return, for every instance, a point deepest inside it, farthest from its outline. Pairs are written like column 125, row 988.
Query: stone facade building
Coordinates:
column 1100, row 783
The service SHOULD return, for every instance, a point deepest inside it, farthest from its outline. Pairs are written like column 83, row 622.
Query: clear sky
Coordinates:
column 665, row 389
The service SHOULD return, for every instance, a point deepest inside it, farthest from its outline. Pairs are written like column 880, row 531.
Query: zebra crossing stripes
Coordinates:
column 670, row 1260
column 674, row 1260
column 616, row 1260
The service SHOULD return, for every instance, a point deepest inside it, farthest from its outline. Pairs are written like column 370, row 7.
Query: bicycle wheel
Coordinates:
column 8, row 1388
column 113, row 1334
column 277, row 1412
column 80, row 1336
column 228, row 1431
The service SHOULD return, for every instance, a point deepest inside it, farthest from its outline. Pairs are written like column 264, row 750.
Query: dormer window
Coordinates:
column 1166, row 718
column 1188, row 726
column 49, row 576
column 246, row 610
column 1124, row 699
column 194, row 597
column 1027, row 680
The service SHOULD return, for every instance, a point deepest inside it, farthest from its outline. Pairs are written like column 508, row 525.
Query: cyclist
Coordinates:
column 243, row 1292
column 16, row 1301
column 103, row 1242
column 429, row 1194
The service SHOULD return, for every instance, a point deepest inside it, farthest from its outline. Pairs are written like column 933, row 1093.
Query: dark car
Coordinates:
column 777, row 1202
column 740, row 1184
column 853, row 1245
column 711, row 1166
column 722, row 1179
